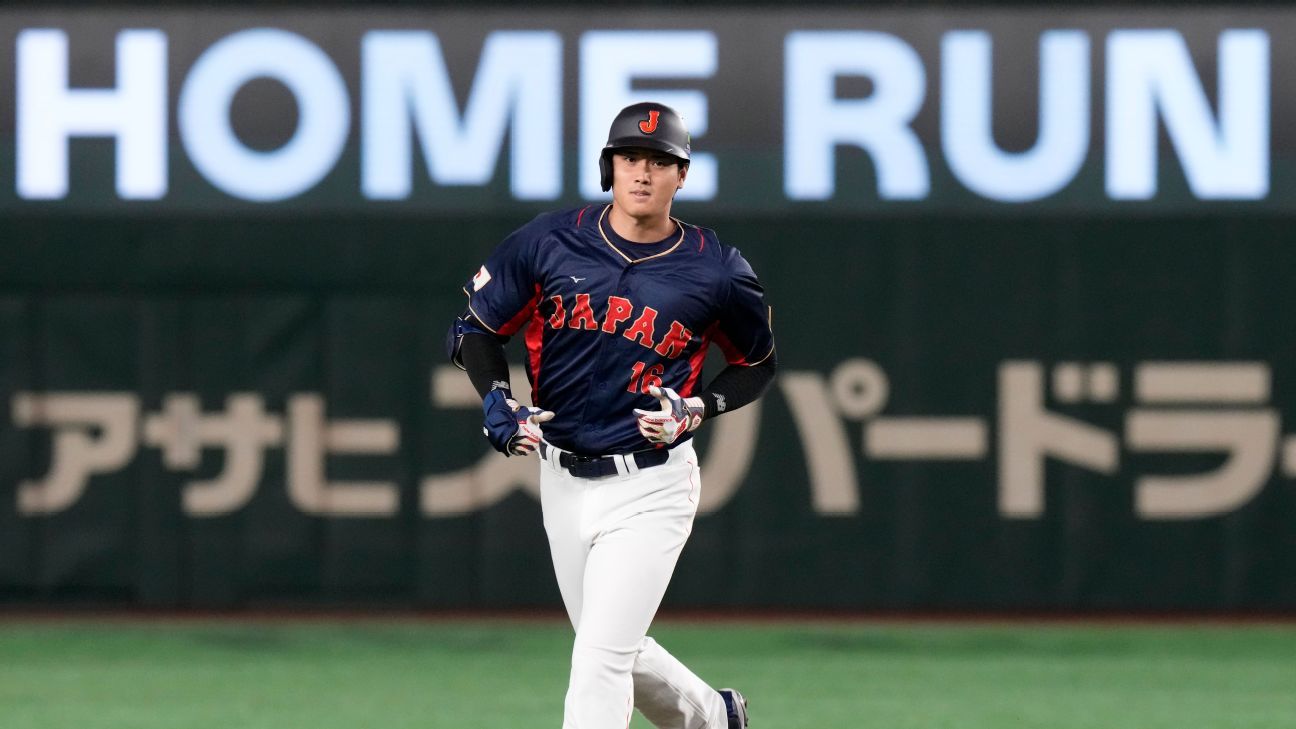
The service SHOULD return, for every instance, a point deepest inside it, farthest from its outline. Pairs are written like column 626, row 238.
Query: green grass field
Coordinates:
column 379, row 674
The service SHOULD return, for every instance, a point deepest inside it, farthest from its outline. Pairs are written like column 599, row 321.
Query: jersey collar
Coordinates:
column 622, row 253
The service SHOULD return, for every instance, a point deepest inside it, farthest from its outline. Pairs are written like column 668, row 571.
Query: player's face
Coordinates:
column 644, row 182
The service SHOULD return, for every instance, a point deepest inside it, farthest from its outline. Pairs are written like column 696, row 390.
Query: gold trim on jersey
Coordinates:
column 762, row 359
column 621, row 253
column 475, row 314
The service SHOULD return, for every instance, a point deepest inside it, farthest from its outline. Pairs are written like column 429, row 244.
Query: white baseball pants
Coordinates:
column 614, row 542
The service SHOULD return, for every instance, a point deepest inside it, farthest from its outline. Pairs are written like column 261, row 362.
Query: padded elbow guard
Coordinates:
column 454, row 339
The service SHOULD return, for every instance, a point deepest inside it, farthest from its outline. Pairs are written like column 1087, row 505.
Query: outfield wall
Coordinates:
column 1033, row 360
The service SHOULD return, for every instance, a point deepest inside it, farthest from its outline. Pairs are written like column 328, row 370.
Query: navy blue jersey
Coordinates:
column 604, row 319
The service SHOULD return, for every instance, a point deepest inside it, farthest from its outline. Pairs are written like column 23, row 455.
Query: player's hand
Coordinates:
column 527, row 438
column 677, row 416
column 512, row 429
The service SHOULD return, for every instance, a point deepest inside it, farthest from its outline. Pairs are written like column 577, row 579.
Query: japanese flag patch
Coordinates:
column 482, row 278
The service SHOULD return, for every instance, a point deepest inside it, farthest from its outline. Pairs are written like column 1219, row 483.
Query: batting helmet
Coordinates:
column 649, row 125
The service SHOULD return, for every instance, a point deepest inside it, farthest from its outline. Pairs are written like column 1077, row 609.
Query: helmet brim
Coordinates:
column 648, row 143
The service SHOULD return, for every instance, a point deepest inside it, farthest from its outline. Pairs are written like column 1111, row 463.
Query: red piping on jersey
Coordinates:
column 581, row 214
column 511, row 327
column 701, row 240
column 695, row 362
column 534, row 342
column 732, row 355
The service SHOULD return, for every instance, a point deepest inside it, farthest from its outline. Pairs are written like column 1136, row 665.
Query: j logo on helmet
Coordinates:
column 649, row 125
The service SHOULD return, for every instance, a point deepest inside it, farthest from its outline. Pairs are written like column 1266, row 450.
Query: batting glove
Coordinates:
column 512, row 429
column 678, row 415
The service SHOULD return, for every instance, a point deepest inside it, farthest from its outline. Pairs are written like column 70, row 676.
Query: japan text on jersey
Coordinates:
column 604, row 319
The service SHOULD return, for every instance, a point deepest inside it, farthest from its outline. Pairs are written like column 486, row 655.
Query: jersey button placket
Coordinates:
column 595, row 401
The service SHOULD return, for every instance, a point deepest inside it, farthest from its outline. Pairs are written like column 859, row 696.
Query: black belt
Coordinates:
column 598, row 466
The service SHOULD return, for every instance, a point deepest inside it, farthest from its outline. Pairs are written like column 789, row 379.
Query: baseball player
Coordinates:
column 617, row 304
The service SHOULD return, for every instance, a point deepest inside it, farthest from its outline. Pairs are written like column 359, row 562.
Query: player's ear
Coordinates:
column 683, row 172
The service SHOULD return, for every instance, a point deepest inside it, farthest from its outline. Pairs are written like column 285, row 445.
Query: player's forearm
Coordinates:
column 483, row 358
column 736, row 386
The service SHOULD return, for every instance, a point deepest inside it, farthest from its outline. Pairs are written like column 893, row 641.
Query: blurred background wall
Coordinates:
column 1030, row 269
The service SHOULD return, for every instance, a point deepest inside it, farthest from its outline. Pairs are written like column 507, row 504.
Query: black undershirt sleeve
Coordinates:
column 738, row 385
column 483, row 356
